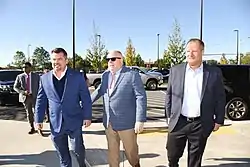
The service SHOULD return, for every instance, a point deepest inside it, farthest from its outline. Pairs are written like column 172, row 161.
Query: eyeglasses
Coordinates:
column 113, row 58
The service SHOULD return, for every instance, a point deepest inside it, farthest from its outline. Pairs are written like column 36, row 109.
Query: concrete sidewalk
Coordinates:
column 228, row 147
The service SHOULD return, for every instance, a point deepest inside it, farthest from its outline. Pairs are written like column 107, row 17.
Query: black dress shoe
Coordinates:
column 32, row 131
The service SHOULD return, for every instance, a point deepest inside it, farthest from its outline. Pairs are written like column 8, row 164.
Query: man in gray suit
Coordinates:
column 195, row 105
column 125, row 104
column 26, row 85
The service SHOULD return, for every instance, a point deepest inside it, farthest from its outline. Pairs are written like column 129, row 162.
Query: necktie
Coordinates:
column 28, row 83
column 112, row 83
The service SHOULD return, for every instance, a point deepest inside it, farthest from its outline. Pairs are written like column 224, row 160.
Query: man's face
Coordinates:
column 194, row 52
column 27, row 69
column 114, row 61
column 59, row 61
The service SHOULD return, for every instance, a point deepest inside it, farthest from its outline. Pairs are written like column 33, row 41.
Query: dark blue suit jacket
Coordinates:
column 67, row 111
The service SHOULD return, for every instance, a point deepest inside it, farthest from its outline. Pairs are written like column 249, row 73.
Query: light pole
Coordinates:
column 73, row 43
column 99, row 50
column 237, row 47
column 158, row 51
column 201, row 19
column 28, row 52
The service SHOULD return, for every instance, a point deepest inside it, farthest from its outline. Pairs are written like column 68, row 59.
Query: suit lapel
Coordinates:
column 205, row 79
column 182, row 79
column 67, row 82
column 52, row 84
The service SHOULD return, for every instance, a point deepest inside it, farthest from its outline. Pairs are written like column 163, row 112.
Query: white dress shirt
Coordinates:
column 62, row 75
column 192, row 92
column 116, row 75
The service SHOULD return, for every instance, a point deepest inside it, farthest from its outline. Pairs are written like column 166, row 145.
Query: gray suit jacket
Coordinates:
column 213, row 97
column 128, row 102
column 20, row 86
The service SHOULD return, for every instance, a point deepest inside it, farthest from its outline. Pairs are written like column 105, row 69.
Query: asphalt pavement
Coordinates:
column 155, row 108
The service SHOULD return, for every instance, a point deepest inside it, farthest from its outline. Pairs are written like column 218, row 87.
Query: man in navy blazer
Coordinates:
column 63, row 89
column 125, row 104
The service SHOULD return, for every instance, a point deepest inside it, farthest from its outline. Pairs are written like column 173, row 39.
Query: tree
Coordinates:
column 223, row 59
column 130, row 53
column 138, row 61
column 96, row 52
column 40, row 58
column 19, row 59
column 175, row 52
column 245, row 59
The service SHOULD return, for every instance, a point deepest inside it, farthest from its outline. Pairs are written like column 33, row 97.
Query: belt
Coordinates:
column 191, row 119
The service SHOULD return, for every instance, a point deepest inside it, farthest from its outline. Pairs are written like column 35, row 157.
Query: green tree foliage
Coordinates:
column 223, row 59
column 41, row 58
column 245, row 59
column 175, row 53
column 19, row 59
column 138, row 61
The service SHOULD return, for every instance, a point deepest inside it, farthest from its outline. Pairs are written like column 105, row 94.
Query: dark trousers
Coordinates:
column 28, row 105
column 61, row 144
column 184, row 131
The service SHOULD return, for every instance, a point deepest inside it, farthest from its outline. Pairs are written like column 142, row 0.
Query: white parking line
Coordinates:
column 163, row 92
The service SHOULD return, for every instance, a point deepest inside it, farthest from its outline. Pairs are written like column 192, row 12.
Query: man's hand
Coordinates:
column 86, row 123
column 39, row 126
column 139, row 127
column 26, row 93
column 216, row 127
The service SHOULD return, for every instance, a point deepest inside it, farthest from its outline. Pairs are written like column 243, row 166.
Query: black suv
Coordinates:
column 237, row 86
column 7, row 93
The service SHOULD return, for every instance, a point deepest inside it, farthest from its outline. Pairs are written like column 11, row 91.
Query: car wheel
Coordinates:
column 236, row 109
column 96, row 84
column 152, row 85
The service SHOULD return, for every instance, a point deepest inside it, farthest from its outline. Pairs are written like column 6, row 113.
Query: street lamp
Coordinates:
column 28, row 52
column 158, row 51
column 237, row 47
column 201, row 19
column 99, row 50
column 73, row 43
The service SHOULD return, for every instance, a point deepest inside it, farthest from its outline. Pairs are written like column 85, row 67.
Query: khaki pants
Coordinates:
column 129, row 140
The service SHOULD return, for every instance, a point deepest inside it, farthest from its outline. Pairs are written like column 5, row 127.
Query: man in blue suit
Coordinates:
column 125, row 104
column 63, row 89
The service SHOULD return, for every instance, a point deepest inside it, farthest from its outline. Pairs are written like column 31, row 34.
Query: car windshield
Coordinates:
column 9, row 75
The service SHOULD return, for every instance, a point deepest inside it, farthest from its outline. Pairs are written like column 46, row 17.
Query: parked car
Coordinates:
column 150, row 80
column 164, row 72
column 7, row 93
column 237, row 86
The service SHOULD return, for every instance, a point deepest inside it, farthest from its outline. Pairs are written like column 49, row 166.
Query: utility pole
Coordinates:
column 73, row 22
column 158, row 51
column 201, row 19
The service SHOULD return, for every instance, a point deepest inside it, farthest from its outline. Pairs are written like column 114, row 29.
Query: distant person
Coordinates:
column 125, row 105
column 64, row 88
column 195, row 105
column 86, row 78
column 26, row 85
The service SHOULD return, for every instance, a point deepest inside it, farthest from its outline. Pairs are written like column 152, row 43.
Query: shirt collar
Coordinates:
column 198, row 69
column 63, row 73
column 118, row 72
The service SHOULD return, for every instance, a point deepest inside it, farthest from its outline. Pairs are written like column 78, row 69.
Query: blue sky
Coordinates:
column 48, row 23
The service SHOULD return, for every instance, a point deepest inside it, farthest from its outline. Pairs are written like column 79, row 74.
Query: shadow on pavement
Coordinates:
column 46, row 158
column 242, row 162
column 92, row 153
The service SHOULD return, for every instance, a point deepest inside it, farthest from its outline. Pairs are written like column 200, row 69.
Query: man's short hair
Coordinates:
column 27, row 64
column 197, row 40
column 60, row 50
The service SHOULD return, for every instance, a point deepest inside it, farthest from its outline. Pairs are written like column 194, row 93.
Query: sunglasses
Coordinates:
column 113, row 58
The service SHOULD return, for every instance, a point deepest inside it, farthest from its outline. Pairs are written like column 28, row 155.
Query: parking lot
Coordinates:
column 155, row 108
column 229, row 147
